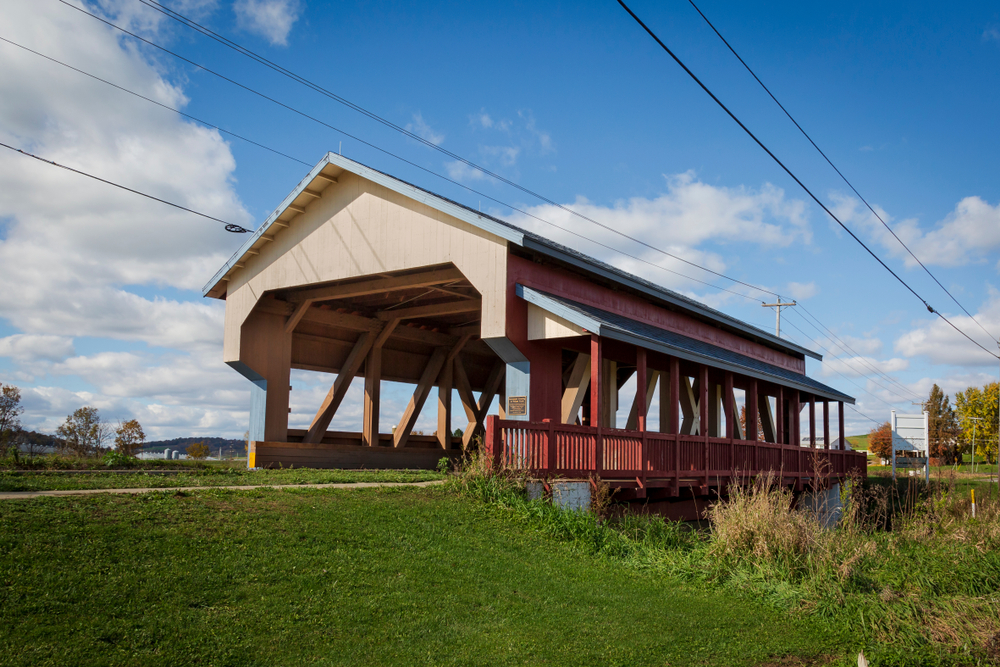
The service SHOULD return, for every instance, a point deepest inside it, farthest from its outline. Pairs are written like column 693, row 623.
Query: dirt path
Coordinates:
column 86, row 492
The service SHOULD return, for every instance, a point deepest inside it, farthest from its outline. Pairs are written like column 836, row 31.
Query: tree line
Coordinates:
column 84, row 433
column 968, row 427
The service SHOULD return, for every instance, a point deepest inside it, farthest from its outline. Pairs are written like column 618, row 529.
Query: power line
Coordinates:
column 152, row 101
column 230, row 227
column 794, row 177
column 844, row 178
column 190, row 23
column 848, row 349
column 445, row 178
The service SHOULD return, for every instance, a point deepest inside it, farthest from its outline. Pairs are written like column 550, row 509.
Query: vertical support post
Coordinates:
column 703, row 414
column 812, row 421
column 750, row 430
column 445, row 383
column 779, row 416
column 892, row 442
column 840, row 420
column 728, row 401
column 373, row 391
column 673, row 425
column 826, row 424
column 640, row 387
column 596, row 381
column 550, row 457
column 797, row 434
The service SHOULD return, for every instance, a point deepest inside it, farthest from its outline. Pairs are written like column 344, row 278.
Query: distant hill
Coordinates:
column 182, row 443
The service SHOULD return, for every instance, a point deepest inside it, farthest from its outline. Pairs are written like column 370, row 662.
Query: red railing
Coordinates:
column 563, row 450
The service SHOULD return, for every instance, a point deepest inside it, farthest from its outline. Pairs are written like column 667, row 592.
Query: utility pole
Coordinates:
column 777, row 307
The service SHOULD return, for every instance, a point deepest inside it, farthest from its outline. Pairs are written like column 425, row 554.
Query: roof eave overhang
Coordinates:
column 593, row 326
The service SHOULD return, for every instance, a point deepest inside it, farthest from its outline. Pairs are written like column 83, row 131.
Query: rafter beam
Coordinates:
column 493, row 384
column 434, row 310
column 375, row 286
column 633, row 415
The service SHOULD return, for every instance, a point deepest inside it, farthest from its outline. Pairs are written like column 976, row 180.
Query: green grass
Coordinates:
column 858, row 442
column 50, row 480
column 908, row 576
column 366, row 577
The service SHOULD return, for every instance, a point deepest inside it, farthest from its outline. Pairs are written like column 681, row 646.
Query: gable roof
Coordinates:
column 513, row 234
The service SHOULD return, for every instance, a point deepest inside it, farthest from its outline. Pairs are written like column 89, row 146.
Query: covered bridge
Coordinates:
column 360, row 274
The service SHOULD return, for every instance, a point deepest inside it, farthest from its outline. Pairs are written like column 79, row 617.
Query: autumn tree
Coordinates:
column 84, row 432
column 981, row 403
column 10, row 413
column 943, row 426
column 880, row 441
column 198, row 450
column 129, row 437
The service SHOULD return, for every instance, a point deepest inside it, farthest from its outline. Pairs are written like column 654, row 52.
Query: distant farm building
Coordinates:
column 360, row 274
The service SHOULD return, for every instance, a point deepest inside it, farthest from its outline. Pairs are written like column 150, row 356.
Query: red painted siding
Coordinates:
column 562, row 283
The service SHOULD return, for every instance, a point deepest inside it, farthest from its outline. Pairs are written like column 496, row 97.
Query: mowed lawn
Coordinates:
column 388, row 576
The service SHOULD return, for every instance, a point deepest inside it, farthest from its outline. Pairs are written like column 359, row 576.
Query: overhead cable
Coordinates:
column 230, row 227
column 844, row 178
column 190, row 23
column 796, row 178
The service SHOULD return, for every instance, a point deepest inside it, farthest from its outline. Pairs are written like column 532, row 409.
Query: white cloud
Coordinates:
column 689, row 213
column 935, row 340
column 420, row 128
column 34, row 347
column 544, row 139
column 991, row 34
column 460, row 171
column 81, row 258
column 966, row 235
column 803, row 291
column 271, row 19
column 860, row 366
column 505, row 155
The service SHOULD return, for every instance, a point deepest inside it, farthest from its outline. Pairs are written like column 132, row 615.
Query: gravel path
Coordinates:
column 86, row 492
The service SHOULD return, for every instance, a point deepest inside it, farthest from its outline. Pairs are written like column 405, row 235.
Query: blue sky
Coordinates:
column 102, row 303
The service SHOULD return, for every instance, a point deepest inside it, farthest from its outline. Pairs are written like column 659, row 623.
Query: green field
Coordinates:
column 50, row 480
column 393, row 576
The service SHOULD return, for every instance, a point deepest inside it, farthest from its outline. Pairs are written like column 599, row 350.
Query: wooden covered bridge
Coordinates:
column 360, row 274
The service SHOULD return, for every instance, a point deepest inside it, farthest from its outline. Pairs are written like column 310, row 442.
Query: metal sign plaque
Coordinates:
column 517, row 406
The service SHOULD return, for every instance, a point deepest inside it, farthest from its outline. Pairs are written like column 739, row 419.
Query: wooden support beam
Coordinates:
column 703, row 398
column 297, row 209
column 691, row 423
column 445, row 383
column 640, row 403
column 729, row 402
column 734, row 414
column 412, row 412
column 296, row 317
column 652, row 378
column 840, row 418
column 375, row 286
column 715, row 411
column 477, row 418
column 751, row 409
column 340, row 386
column 826, row 424
column 766, row 419
column 434, row 310
column 327, row 177
column 373, row 387
column 779, row 409
column 312, row 193
column 596, row 381
column 812, row 421
column 609, row 402
column 796, row 404
column 670, row 418
column 576, row 388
